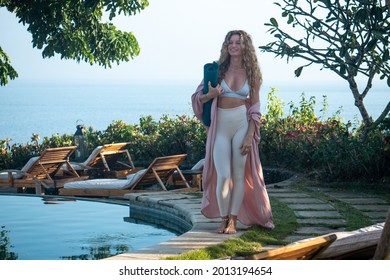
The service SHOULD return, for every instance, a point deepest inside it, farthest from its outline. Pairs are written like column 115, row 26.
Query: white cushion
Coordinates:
column 15, row 175
column 93, row 155
column 18, row 175
column 30, row 163
column 199, row 165
column 81, row 166
column 74, row 165
column 135, row 176
column 117, row 184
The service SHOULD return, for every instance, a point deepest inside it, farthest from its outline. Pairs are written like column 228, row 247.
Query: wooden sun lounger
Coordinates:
column 110, row 161
column 44, row 172
column 304, row 250
column 158, row 172
column 193, row 176
column 109, row 156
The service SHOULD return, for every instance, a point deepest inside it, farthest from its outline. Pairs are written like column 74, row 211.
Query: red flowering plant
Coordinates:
column 5, row 155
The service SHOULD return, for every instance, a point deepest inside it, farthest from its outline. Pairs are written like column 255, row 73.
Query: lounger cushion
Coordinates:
column 76, row 166
column 81, row 166
column 135, row 176
column 199, row 165
column 18, row 175
column 15, row 175
column 117, row 184
column 92, row 156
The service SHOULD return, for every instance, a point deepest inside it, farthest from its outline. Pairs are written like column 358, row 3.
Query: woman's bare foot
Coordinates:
column 223, row 225
column 231, row 225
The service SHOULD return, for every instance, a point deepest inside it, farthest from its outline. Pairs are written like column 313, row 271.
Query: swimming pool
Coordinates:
column 53, row 228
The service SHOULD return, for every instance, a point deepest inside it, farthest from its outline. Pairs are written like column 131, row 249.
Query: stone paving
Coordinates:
column 317, row 217
column 314, row 216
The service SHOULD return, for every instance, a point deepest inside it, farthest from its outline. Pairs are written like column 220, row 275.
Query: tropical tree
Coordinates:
column 74, row 30
column 348, row 37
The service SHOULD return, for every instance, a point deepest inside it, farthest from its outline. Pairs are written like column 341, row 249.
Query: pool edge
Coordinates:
column 187, row 207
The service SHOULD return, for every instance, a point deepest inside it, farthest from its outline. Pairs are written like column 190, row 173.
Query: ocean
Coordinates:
column 50, row 107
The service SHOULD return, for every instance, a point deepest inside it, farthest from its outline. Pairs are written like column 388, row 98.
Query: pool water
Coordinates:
column 49, row 228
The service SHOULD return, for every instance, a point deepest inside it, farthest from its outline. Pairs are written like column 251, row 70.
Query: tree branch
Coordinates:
column 383, row 115
column 356, row 35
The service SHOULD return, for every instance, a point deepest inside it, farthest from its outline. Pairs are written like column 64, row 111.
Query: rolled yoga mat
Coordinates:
column 210, row 74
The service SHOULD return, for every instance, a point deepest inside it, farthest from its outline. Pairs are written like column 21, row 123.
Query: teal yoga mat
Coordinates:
column 210, row 74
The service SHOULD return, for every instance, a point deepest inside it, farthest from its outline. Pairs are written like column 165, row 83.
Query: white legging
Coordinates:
column 232, row 126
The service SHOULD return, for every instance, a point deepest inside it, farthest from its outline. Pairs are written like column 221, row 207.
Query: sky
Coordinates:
column 176, row 37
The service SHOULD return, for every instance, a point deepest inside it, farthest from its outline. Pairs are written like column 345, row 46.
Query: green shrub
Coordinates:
column 6, row 245
column 326, row 147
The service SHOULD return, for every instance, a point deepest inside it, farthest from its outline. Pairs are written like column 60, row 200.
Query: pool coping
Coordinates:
column 186, row 207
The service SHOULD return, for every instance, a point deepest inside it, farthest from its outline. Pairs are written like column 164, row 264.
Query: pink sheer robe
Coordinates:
column 256, row 208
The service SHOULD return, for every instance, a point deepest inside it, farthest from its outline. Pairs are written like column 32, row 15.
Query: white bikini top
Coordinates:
column 242, row 93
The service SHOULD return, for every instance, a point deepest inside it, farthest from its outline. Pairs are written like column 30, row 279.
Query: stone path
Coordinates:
column 317, row 217
column 314, row 216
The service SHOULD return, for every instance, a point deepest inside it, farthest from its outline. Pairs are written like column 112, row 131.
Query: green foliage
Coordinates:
column 355, row 33
column 328, row 148
column 171, row 135
column 16, row 155
column 74, row 30
column 151, row 139
column 5, row 245
column 6, row 70
column 182, row 134
column 57, row 141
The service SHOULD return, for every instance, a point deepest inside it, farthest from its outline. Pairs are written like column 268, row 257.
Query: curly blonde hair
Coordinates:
column 251, row 64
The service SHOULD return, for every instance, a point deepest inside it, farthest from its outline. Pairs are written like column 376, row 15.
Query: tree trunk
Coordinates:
column 359, row 103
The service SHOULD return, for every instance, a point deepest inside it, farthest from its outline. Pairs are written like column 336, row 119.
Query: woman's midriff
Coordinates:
column 229, row 102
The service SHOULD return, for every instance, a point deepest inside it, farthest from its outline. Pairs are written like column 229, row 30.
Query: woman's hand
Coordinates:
column 246, row 146
column 214, row 91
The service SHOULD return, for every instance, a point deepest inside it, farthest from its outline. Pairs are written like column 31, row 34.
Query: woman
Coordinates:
column 233, row 184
